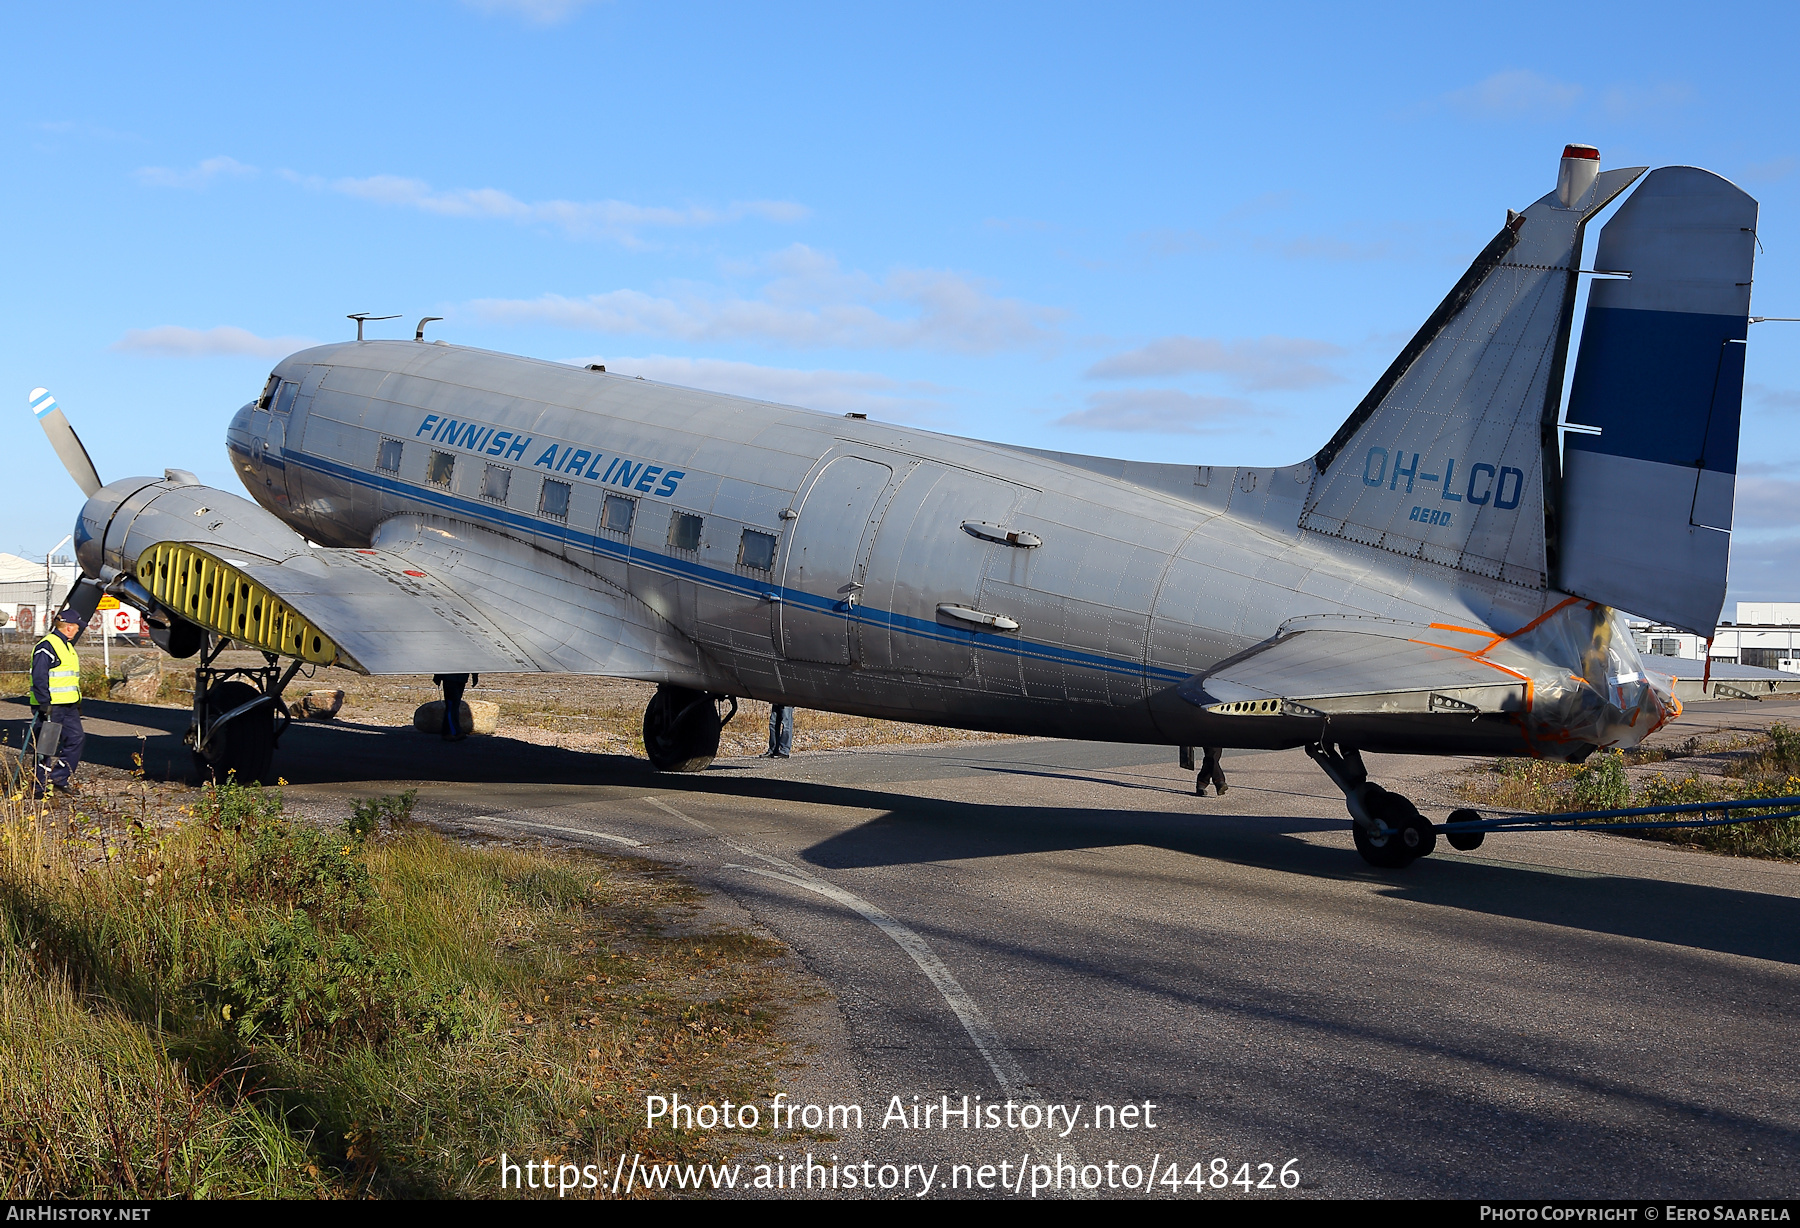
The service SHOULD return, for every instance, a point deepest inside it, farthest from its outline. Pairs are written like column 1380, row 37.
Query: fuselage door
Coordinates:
column 827, row 557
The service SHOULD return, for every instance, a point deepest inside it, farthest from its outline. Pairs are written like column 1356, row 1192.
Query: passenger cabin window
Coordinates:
column 616, row 515
column 284, row 400
column 494, row 482
column 441, row 469
column 554, row 500
column 684, row 531
column 387, row 459
column 757, row 550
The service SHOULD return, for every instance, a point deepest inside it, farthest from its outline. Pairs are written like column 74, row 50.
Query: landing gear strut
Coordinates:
column 238, row 717
column 681, row 728
column 1390, row 832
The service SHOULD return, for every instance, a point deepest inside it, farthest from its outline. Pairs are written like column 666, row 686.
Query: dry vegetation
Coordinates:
column 603, row 715
column 222, row 1000
column 1703, row 768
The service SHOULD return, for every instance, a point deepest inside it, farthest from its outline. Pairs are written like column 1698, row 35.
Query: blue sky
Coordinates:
column 1173, row 232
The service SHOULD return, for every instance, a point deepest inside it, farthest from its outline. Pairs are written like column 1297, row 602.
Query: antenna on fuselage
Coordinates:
column 419, row 332
column 361, row 316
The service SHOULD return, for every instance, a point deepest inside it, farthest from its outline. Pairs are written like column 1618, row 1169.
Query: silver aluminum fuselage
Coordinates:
column 1146, row 574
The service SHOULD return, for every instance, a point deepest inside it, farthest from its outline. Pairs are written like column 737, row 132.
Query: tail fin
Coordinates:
column 1647, row 501
column 1444, row 460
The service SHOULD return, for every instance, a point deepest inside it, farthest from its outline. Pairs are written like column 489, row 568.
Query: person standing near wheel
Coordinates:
column 453, row 685
column 56, row 700
column 781, row 732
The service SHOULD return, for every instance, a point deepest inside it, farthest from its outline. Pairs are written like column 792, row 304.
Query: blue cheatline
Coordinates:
column 638, row 556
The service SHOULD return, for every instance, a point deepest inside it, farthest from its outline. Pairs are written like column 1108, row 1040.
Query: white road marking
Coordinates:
column 568, row 831
column 981, row 1032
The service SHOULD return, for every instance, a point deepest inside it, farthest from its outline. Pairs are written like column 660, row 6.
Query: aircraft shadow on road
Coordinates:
column 912, row 831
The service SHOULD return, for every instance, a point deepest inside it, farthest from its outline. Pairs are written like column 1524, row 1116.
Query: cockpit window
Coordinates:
column 284, row 400
column 268, row 393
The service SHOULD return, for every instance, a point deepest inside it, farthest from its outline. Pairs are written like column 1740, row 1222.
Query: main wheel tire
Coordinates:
column 244, row 750
column 681, row 730
column 1465, row 841
column 1411, row 837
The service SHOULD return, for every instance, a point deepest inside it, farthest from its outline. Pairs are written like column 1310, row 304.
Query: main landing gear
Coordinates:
column 238, row 717
column 681, row 728
column 1390, row 832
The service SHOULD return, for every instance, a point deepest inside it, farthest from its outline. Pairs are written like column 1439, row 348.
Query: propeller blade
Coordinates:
column 66, row 442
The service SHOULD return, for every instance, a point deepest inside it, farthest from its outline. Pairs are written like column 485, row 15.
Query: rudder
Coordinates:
column 1660, row 376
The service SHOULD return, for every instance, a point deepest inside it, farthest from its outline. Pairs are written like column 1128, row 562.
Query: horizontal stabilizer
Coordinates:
column 1647, row 501
column 1327, row 668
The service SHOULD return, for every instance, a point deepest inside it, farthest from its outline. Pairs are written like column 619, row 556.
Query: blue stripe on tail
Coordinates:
column 1664, row 386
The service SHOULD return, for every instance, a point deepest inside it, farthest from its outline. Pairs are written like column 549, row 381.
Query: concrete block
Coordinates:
column 479, row 716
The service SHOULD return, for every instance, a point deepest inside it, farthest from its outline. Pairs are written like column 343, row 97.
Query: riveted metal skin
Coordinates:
column 427, row 508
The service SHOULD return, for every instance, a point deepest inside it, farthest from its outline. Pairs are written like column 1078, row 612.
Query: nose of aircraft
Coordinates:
column 237, row 433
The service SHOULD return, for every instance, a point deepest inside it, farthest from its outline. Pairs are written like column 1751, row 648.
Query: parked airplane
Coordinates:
column 1440, row 578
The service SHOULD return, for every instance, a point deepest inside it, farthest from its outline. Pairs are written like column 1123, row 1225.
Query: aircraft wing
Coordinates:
column 368, row 610
column 426, row 599
column 1331, row 666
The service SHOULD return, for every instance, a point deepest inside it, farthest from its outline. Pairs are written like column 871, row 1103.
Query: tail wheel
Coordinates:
column 244, row 749
column 681, row 730
column 1465, row 841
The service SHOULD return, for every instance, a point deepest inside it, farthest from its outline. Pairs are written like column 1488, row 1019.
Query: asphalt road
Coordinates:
column 1067, row 924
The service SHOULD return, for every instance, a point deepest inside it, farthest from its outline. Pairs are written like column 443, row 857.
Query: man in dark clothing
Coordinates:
column 1211, row 772
column 453, row 685
column 56, row 703
column 781, row 732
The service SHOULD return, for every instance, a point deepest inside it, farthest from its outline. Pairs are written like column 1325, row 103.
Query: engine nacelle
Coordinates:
column 124, row 518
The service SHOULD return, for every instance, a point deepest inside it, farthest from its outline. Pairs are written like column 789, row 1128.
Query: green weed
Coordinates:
column 251, row 1006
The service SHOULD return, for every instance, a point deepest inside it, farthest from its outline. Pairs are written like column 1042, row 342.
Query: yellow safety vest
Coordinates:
column 65, row 675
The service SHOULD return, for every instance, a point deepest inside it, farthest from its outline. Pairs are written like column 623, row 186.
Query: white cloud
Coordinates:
column 1256, row 363
column 201, row 175
column 1165, row 411
column 810, row 302
column 1764, row 570
column 1515, row 93
column 1632, row 101
column 1773, row 398
column 1770, row 171
column 533, row 12
column 843, row 392
column 1766, row 502
column 1328, row 247
column 612, row 219
column 174, row 341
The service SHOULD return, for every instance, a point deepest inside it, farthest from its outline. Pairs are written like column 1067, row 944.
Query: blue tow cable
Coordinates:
column 1602, row 820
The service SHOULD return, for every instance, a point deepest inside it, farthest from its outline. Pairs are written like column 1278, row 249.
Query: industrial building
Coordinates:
column 1764, row 635
column 28, row 587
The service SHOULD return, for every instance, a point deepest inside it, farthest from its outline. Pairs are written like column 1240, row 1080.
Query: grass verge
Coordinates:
column 247, row 1005
column 1737, row 766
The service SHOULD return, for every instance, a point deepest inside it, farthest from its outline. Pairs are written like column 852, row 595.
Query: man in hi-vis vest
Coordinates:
column 56, row 701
